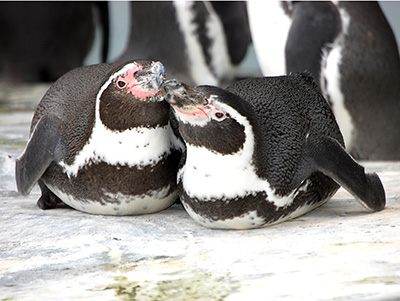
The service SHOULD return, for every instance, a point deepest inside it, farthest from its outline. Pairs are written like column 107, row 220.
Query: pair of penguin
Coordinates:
column 351, row 51
column 260, row 152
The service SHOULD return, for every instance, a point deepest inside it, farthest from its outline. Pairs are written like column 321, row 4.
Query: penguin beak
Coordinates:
column 184, row 99
column 152, row 77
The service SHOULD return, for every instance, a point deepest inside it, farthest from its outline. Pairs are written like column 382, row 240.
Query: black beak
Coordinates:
column 182, row 96
column 151, row 77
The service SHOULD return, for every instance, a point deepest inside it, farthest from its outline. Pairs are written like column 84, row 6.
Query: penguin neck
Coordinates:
column 122, row 112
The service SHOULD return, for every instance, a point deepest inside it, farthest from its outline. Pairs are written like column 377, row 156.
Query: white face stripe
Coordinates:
column 199, row 118
column 120, row 72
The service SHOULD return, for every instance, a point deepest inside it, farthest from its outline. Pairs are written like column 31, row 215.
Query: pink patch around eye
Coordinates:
column 132, row 85
column 200, row 112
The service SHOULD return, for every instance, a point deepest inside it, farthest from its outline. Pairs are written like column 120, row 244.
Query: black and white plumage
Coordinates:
column 101, row 142
column 263, row 151
column 199, row 42
column 352, row 53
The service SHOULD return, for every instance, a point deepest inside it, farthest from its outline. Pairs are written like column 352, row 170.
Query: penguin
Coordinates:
column 351, row 51
column 40, row 41
column 101, row 142
column 199, row 42
column 263, row 151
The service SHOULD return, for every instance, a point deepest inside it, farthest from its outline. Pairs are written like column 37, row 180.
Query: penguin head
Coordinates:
column 130, row 97
column 142, row 79
column 211, row 117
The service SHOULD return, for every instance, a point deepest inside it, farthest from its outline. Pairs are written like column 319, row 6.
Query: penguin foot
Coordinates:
column 49, row 200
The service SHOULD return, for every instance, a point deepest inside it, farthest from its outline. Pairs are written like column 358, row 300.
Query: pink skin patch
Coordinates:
column 129, row 82
column 193, row 114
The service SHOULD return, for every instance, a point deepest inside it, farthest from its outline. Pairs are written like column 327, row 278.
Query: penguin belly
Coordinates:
column 242, row 200
column 115, row 193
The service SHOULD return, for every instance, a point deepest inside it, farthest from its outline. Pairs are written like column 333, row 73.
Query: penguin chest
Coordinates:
column 134, row 147
column 209, row 175
column 131, row 172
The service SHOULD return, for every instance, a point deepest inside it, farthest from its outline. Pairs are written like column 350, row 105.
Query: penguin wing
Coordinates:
column 44, row 146
column 326, row 155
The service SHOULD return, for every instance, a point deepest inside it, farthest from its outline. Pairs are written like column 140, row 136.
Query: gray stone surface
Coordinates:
column 337, row 252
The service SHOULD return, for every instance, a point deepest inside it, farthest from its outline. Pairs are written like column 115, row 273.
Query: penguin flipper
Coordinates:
column 326, row 155
column 43, row 147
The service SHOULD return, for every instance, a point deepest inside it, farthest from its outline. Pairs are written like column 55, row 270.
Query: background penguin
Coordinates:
column 101, row 142
column 198, row 42
column 40, row 41
column 352, row 53
column 261, row 152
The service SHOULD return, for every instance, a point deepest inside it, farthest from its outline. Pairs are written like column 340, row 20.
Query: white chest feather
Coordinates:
column 134, row 147
column 207, row 174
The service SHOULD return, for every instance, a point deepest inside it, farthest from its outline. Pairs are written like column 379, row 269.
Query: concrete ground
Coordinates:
column 337, row 252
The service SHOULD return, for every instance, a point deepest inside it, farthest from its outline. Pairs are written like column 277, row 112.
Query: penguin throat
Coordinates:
column 127, row 112
column 142, row 93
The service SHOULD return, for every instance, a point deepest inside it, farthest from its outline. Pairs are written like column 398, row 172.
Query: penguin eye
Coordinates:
column 219, row 115
column 121, row 84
